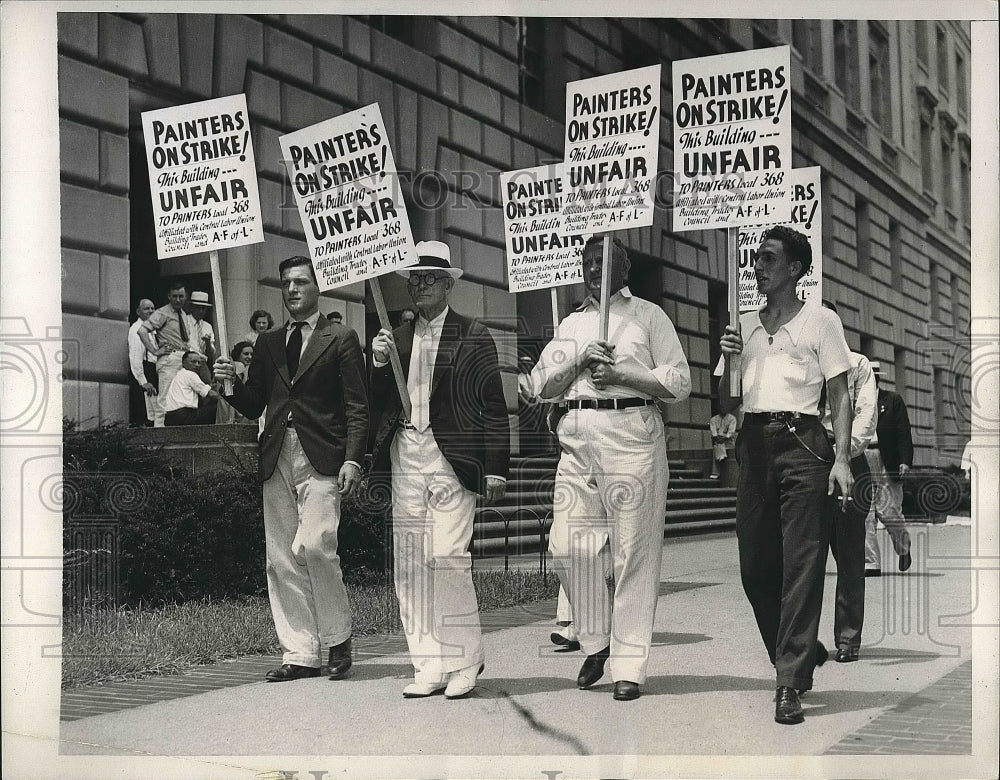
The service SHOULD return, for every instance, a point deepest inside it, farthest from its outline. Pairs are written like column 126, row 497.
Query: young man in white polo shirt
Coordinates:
column 786, row 351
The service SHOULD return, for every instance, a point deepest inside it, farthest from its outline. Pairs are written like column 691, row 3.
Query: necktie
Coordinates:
column 418, row 383
column 184, row 331
column 293, row 349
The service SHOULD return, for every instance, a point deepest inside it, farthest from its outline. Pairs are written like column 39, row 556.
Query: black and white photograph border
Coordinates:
column 933, row 637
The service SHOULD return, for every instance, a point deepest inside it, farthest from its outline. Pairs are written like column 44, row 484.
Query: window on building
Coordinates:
column 878, row 68
column 862, row 227
column 896, row 253
column 899, row 367
column 935, row 285
column 765, row 33
column 965, row 182
column 845, row 53
column 927, row 147
column 941, row 398
column 867, row 345
column 942, row 59
column 531, row 61
column 947, row 161
column 961, row 84
column 636, row 53
column 826, row 204
column 399, row 27
column 807, row 38
column 920, row 34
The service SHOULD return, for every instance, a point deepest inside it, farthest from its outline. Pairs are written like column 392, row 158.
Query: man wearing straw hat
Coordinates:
column 455, row 446
column 310, row 375
column 611, row 483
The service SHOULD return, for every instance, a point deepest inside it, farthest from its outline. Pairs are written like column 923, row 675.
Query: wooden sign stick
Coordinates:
column 220, row 313
column 397, row 367
column 605, row 287
column 735, row 376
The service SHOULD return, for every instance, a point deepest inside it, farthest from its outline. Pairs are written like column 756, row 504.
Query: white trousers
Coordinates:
column 432, row 518
column 564, row 610
column 611, row 487
column 167, row 367
column 887, row 506
column 304, row 581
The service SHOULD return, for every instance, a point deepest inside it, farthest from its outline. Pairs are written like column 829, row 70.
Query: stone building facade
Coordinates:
column 882, row 107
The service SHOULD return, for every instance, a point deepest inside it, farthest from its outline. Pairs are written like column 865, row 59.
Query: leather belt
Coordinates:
column 405, row 425
column 764, row 418
column 608, row 403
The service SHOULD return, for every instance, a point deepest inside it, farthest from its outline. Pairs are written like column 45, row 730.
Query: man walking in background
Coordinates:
column 174, row 331
column 847, row 534
column 613, row 469
column 310, row 376
column 142, row 362
column 455, row 445
column 890, row 456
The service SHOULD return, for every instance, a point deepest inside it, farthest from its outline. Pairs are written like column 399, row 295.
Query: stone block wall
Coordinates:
column 457, row 119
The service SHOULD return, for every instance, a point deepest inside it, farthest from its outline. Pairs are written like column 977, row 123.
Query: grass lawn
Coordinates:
column 101, row 645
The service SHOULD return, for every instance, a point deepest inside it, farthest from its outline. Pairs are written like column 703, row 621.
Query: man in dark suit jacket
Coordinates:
column 310, row 375
column 890, row 456
column 455, row 445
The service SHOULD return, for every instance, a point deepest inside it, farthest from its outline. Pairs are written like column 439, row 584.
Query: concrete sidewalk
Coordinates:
column 709, row 691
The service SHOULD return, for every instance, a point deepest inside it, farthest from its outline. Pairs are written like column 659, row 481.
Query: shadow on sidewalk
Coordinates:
column 819, row 702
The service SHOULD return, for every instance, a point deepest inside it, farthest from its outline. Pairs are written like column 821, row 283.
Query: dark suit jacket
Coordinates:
column 893, row 432
column 468, row 413
column 328, row 399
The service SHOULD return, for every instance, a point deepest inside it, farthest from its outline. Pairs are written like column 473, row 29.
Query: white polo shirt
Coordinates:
column 785, row 372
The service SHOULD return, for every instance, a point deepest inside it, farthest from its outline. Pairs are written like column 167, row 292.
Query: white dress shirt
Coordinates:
column 137, row 353
column 863, row 390
column 638, row 329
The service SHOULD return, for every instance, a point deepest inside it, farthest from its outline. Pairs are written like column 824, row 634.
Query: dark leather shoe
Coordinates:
column 565, row 637
column 822, row 654
column 787, row 708
column 626, row 690
column 593, row 668
column 846, row 654
column 873, row 572
column 288, row 672
column 905, row 561
column 340, row 659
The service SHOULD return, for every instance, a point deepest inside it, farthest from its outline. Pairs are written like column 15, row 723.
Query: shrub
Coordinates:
column 178, row 536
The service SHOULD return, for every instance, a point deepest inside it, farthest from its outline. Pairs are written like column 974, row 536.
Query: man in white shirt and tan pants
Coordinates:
column 611, row 482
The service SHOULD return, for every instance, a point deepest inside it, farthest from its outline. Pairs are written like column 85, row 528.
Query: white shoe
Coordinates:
column 463, row 681
column 421, row 690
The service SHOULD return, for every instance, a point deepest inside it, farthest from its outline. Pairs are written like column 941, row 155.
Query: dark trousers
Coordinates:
column 203, row 415
column 847, row 543
column 783, row 531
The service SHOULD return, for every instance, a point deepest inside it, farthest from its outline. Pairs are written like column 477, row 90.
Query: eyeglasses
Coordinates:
column 428, row 279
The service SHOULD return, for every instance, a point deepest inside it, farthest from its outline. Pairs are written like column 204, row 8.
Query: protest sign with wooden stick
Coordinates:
column 343, row 174
column 208, row 200
column 610, row 158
